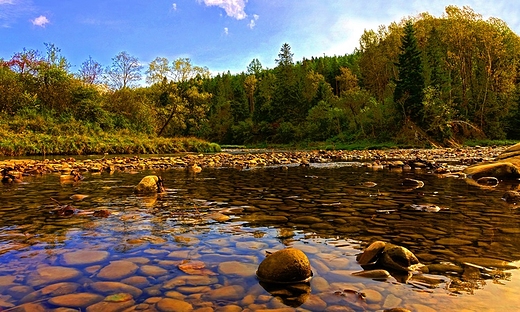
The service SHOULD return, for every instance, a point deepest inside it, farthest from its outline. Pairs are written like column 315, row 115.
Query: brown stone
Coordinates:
column 78, row 300
column 288, row 265
column 117, row 270
column 85, row 257
column 173, row 305
column 371, row 253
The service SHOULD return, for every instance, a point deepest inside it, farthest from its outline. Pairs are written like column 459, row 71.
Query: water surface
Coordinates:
column 201, row 241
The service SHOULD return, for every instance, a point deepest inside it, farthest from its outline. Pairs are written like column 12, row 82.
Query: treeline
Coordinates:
column 424, row 79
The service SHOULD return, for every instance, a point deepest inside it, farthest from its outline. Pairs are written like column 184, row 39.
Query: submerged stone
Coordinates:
column 117, row 270
column 78, row 300
column 52, row 274
column 85, row 257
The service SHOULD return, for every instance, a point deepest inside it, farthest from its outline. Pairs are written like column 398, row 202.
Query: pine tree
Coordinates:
column 409, row 89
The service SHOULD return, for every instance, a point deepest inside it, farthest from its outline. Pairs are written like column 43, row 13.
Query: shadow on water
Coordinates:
column 201, row 241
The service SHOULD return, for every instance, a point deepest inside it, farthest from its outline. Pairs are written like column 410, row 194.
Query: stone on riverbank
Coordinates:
column 505, row 167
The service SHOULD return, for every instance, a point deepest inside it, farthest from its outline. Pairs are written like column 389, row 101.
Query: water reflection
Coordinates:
column 226, row 219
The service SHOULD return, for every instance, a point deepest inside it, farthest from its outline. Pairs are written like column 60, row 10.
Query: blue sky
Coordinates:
column 219, row 34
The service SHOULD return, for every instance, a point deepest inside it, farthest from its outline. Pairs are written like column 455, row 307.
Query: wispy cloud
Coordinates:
column 40, row 21
column 233, row 8
column 8, row 12
column 226, row 31
column 174, row 6
column 252, row 23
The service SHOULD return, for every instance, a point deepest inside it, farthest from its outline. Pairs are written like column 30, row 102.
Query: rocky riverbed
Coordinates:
column 197, row 245
column 442, row 160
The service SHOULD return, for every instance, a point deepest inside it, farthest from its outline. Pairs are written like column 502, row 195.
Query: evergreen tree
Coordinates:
column 409, row 89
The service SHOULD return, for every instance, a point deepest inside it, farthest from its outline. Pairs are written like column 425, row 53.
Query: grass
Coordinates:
column 12, row 144
column 490, row 142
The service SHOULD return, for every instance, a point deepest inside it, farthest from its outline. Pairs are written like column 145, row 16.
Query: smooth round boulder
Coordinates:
column 151, row 184
column 285, row 266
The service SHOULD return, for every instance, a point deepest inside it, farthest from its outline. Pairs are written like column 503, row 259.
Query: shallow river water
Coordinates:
column 198, row 245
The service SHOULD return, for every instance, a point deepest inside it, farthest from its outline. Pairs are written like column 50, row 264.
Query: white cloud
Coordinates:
column 252, row 23
column 226, row 31
column 6, row 2
column 174, row 6
column 233, row 8
column 40, row 21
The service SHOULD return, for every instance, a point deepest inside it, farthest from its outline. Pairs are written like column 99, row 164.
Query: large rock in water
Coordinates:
column 288, row 265
column 505, row 167
column 150, row 185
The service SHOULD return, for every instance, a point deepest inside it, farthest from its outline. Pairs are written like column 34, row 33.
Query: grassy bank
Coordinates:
column 12, row 144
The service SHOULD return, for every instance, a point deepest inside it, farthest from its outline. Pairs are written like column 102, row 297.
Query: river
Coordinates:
column 197, row 246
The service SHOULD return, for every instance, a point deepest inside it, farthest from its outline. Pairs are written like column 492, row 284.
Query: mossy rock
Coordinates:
column 288, row 265
column 151, row 184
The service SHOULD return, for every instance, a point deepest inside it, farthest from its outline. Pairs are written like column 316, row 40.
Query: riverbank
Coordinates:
column 441, row 160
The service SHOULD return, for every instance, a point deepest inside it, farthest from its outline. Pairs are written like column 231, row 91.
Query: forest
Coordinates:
column 423, row 81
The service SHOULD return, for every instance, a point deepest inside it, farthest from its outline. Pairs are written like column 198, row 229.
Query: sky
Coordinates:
column 221, row 35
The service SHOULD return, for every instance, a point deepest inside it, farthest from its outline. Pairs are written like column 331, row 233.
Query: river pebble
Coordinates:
column 77, row 300
column 117, row 270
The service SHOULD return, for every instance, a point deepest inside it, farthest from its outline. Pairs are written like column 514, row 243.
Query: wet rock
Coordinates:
column 117, row 270
column 487, row 181
column 7, row 280
column 195, row 268
column 136, row 281
column 314, row 303
column 237, row 268
column 442, row 268
column 152, row 270
column 52, row 274
column 30, row 307
column 372, row 253
column 413, row 183
column 512, row 197
column 398, row 258
column 505, row 168
column 173, row 305
column 373, row 274
column 59, row 289
column 19, row 291
column 372, row 295
column 110, row 288
column 388, row 256
column 78, row 300
column 151, row 184
column 85, row 257
column 191, row 280
column 114, row 303
column 391, row 301
column 288, row 265
column 488, row 262
column 452, row 241
column 234, row 292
